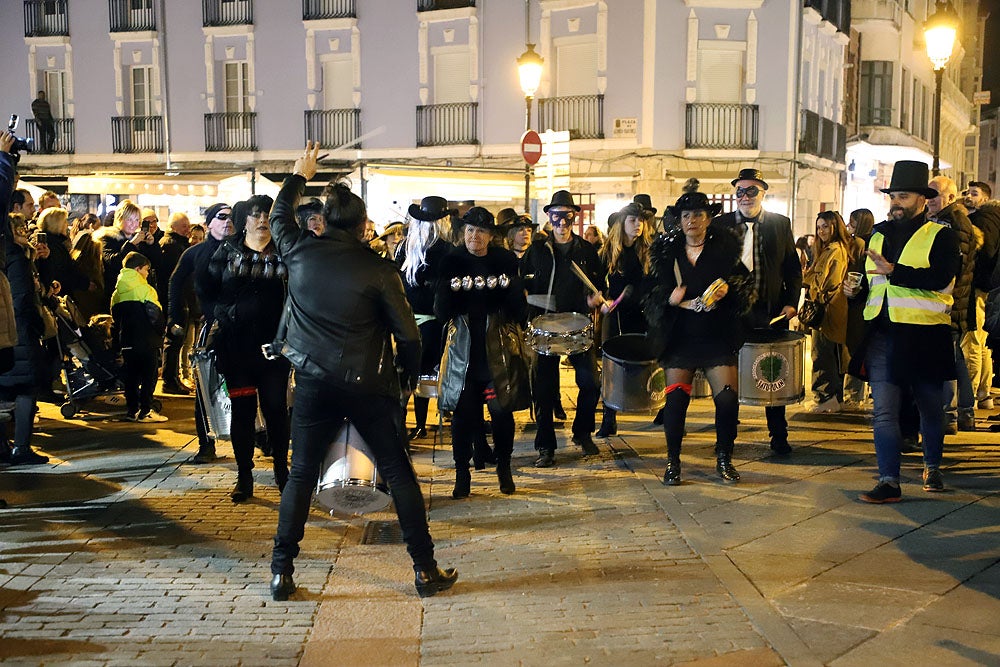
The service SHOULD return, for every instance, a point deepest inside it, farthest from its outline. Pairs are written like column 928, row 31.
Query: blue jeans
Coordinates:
column 320, row 410
column 886, row 394
column 966, row 403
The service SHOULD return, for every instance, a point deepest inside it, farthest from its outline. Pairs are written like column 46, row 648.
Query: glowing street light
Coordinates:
column 940, row 30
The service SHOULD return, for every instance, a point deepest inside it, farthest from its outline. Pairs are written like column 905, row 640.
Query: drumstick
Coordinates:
column 776, row 319
column 625, row 293
column 583, row 277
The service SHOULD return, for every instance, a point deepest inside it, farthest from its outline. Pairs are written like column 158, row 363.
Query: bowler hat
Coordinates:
column 645, row 202
column 694, row 201
column 910, row 176
column 431, row 208
column 561, row 198
column 477, row 216
column 505, row 216
column 750, row 175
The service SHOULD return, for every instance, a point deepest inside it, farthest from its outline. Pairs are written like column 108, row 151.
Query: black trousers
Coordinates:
column 467, row 425
column 266, row 382
column 320, row 411
column 546, row 386
column 172, row 360
column 139, row 377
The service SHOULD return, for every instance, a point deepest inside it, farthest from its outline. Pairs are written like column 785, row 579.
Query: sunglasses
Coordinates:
column 222, row 216
column 751, row 191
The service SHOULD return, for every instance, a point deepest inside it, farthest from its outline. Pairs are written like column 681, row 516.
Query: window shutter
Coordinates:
column 720, row 76
column 576, row 69
column 338, row 84
column 451, row 77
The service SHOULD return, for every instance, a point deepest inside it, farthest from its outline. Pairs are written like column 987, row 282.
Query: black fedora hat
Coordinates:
column 910, row 176
column 562, row 198
column 506, row 216
column 477, row 216
column 645, row 202
column 694, row 201
column 750, row 175
column 431, row 208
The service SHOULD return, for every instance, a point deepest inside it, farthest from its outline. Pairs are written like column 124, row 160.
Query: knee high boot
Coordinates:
column 727, row 409
column 674, row 416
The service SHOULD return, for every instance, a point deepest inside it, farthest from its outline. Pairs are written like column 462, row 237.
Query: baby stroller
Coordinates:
column 90, row 366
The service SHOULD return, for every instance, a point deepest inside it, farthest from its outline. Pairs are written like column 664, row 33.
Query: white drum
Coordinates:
column 350, row 483
column 555, row 334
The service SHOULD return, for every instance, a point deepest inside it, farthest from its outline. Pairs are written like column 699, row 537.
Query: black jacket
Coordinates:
column 345, row 303
column 782, row 270
column 194, row 263
column 59, row 266
column 421, row 295
column 987, row 219
column 29, row 368
column 114, row 248
column 954, row 216
column 172, row 246
column 568, row 291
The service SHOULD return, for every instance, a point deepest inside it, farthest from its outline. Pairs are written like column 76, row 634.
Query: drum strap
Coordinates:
column 552, row 279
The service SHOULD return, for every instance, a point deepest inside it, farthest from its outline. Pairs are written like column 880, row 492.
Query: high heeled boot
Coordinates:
column 674, row 417
column 505, row 477
column 244, row 487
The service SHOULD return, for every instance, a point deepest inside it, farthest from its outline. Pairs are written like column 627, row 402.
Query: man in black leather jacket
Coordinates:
column 345, row 305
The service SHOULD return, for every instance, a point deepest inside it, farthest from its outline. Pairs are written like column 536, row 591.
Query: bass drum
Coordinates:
column 771, row 368
column 631, row 378
column 350, row 483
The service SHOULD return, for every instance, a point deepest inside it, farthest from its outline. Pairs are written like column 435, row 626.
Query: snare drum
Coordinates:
column 427, row 387
column 350, row 483
column 556, row 334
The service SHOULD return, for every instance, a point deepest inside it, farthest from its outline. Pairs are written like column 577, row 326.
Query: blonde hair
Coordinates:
column 125, row 210
column 53, row 221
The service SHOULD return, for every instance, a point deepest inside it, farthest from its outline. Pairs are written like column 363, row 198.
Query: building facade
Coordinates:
column 989, row 152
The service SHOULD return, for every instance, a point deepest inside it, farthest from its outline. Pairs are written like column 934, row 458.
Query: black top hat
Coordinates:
column 751, row 175
column 694, row 201
column 562, row 198
column 910, row 176
column 431, row 208
column 645, row 202
column 477, row 216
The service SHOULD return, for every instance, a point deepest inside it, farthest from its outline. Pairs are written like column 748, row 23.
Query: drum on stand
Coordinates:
column 631, row 378
column 350, row 483
column 555, row 334
column 771, row 368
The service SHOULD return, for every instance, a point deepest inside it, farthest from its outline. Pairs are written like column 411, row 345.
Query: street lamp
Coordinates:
column 529, row 70
column 940, row 29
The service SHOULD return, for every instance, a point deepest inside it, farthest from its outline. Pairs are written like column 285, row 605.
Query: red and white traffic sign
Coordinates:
column 531, row 147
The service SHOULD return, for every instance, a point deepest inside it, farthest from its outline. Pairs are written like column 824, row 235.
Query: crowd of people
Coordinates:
column 483, row 307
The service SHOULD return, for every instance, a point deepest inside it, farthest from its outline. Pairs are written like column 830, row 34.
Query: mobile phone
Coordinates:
column 12, row 123
column 42, row 237
column 146, row 224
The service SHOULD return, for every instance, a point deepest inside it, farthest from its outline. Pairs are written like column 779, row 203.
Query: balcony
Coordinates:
column 46, row 18
column 334, row 128
column 313, row 10
column 822, row 137
column 835, row 12
column 131, row 15
column 581, row 115
column 63, row 139
column 431, row 5
column 447, row 124
column 226, row 12
column 722, row 126
column 137, row 134
column 231, row 131
column 877, row 10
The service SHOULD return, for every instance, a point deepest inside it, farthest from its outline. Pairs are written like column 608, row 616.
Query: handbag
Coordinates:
column 811, row 313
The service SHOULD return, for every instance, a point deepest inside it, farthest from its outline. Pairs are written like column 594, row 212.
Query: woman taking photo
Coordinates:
column 823, row 281
column 626, row 254
column 697, row 285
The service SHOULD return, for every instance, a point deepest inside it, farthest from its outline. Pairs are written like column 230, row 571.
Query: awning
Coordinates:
column 228, row 187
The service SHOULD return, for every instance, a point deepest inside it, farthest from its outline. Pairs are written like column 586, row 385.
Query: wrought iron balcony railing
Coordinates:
column 822, row 137
column 46, row 18
column 447, row 124
column 131, row 15
column 581, row 115
column 63, row 139
column 722, row 126
column 226, row 12
column 328, row 9
column 430, row 5
column 137, row 134
column 231, row 131
column 333, row 127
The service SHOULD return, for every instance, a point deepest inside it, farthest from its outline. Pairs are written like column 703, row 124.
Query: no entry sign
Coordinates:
column 531, row 147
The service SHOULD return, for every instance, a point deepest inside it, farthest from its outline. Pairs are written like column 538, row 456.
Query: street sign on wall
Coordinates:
column 625, row 128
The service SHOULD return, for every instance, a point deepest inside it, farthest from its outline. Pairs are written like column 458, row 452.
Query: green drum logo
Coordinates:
column 770, row 370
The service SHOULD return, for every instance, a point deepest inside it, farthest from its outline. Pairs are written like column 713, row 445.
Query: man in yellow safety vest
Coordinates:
column 911, row 267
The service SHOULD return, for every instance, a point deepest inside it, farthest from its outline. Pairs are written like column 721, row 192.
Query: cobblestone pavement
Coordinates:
column 121, row 553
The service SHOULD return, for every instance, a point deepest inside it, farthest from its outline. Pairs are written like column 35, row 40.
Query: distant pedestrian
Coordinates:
column 42, row 111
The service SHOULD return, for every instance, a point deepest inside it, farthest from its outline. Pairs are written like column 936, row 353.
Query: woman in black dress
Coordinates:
column 697, row 286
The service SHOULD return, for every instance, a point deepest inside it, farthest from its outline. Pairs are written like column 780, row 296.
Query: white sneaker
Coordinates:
column 985, row 404
column 828, row 406
column 150, row 416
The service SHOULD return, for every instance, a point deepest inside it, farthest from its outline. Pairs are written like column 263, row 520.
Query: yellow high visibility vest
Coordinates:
column 906, row 304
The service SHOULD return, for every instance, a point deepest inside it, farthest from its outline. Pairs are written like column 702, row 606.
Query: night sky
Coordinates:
column 991, row 57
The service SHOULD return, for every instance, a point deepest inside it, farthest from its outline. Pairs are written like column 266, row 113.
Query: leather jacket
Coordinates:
column 569, row 293
column 345, row 305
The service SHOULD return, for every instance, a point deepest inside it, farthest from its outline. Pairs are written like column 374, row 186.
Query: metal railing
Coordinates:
column 822, row 137
column 45, row 18
column 137, row 134
column 129, row 16
column 63, row 136
column 231, row 131
column 328, row 9
column 876, row 116
column 333, row 127
column 431, row 5
column 226, row 12
column 581, row 115
column 447, row 124
column 722, row 126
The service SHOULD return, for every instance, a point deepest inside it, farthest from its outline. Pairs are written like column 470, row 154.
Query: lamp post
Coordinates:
column 529, row 71
column 940, row 29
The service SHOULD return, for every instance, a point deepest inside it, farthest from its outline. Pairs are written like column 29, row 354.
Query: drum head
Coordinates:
column 559, row 323
column 634, row 348
column 769, row 336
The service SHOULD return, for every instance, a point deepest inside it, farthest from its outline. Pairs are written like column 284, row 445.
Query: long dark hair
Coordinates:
column 839, row 232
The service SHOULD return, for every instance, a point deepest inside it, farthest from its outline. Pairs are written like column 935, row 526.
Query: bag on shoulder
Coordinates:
column 811, row 313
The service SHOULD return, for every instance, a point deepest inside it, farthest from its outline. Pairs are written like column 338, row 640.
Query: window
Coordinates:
column 904, row 102
column 55, row 91
column 338, row 83
column 141, row 87
column 576, row 68
column 876, row 92
column 451, row 77
column 237, row 84
column 720, row 76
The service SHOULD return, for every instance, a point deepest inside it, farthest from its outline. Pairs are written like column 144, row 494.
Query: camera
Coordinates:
column 20, row 143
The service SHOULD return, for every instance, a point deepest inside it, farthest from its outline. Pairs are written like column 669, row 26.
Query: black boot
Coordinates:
column 727, row 408
column 482, row 453
column 206, row 453
column 280, row 475
column 672, row 476
column 724, row 466
column 433, row 580
column 244, row 487
column 674, row 416
column 281, row 587
column 609, row 423
column 504, row 476
column 463, row 482
column 24, row 455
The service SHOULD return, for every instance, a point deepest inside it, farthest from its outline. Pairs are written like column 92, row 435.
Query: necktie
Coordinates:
column 748, row 243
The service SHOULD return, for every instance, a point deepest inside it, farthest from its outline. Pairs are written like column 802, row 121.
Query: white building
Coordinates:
column 417, row 97
column 989, row 152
